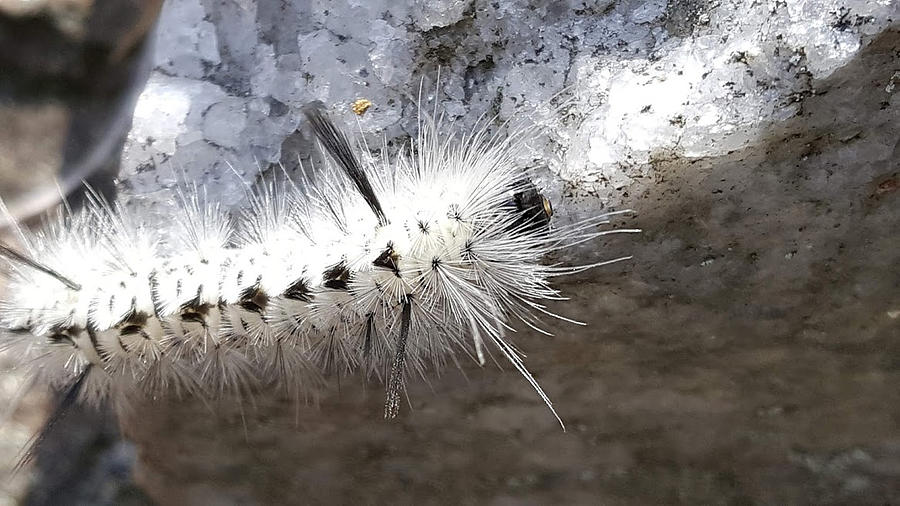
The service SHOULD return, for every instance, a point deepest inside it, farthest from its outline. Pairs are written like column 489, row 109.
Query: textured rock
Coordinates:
column 648, row 79
column 749, row 353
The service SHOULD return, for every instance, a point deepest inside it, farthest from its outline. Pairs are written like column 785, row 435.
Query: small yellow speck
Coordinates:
column 360, row 106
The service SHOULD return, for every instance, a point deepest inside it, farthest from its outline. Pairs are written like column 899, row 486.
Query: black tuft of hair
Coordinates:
column 338, row 147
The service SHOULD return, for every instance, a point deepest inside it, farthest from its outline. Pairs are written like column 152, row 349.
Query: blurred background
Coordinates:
column 748, row 354
column 70, row 74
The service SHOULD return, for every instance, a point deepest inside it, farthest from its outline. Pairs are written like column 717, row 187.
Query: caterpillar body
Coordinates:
column 388, row 267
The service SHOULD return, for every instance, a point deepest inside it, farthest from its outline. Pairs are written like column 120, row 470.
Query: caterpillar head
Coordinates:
column 533, row 208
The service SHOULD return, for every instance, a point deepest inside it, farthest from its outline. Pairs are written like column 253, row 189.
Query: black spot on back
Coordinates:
column 299, row 290
column 388, row 259
column 130, row 330
column 254, row 299
column 133, row 325
column 61, row 338
column 195, row 313
column 136, row 318
column 337, row 277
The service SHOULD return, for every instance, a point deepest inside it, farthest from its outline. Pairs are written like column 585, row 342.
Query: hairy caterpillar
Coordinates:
column 386, row 267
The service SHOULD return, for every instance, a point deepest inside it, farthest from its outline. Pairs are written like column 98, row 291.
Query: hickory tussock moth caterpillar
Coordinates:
column 387, row 267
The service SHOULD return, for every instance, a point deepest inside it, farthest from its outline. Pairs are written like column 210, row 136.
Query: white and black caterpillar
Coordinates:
column 389, row 267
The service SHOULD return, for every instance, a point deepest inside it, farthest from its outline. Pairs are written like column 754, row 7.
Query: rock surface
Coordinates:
column 645, row 80
column 749, row 354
